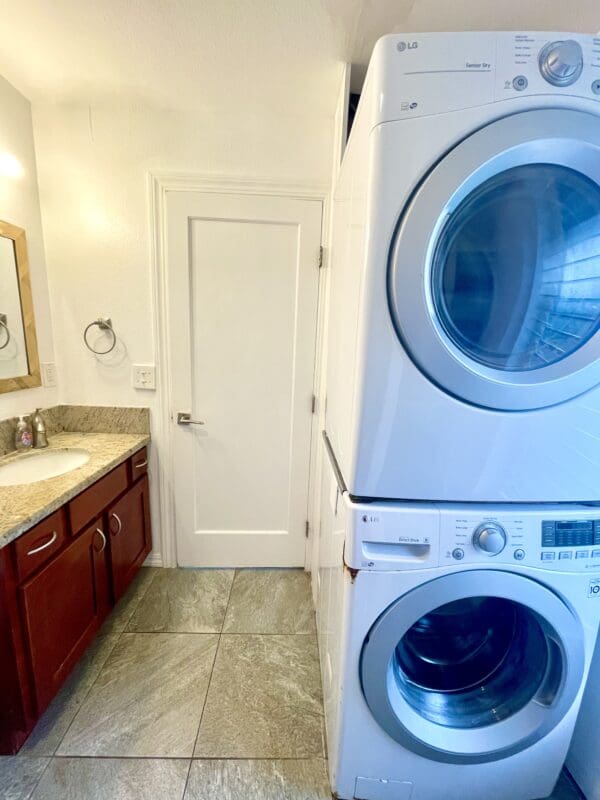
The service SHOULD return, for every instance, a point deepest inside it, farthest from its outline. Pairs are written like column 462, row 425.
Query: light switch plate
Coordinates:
column 144, row 376
column 49, row 378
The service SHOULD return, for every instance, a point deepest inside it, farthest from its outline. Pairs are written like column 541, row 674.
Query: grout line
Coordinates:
column 212, row 669
column 39, row 780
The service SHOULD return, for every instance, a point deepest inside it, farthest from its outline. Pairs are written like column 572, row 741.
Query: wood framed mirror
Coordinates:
column 19, row 360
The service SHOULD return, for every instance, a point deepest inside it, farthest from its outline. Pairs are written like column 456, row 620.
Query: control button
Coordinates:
column 519, row 554
column 490, row 538
column 566, row 554
column 595, row 553
column 548, row 556
column 561, row 63
column 458, row 553
column 520, row 83
column 596, row 87
column 582, row 554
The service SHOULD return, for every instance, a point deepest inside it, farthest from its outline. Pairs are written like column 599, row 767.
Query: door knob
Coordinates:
column 186, row 419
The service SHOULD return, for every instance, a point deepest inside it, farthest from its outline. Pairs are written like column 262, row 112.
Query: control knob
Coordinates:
column 490, row 538
column 561, row 63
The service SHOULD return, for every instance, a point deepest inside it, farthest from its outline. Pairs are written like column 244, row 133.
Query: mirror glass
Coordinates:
column 13, row 349
column 19, row 364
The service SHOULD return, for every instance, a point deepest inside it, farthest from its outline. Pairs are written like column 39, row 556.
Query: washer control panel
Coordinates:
column 407, row 536
column 561, row 539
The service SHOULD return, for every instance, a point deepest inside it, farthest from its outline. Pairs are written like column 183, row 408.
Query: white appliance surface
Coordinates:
column 436, row 391
column 395, row 580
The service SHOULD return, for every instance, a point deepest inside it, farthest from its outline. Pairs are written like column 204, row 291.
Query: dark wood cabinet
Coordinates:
column 61, row 613
column 58, row 583
column 129, row 526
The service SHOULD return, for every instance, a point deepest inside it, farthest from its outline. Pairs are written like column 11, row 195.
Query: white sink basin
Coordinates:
column 39, row 466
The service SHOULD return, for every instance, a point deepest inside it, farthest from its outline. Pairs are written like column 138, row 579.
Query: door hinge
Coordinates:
column 306, row 529
column 313, row 404
column 320, row 259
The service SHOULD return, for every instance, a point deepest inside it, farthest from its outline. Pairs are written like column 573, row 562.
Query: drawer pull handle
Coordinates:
column 141, row 464
column 49, row 543
column 119, row 523
column 103, row 540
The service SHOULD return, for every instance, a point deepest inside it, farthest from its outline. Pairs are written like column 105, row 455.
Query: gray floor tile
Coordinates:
column 264, row 780
column 264, row 699
column 51, row 728
column 148, row 698
column 113, row 779
column 185, row 601
column 270, row 601
column 121, row 613
column 19, row 776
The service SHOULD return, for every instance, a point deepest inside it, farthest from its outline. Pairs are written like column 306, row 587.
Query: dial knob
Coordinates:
column 490, row 538
column 561, row 63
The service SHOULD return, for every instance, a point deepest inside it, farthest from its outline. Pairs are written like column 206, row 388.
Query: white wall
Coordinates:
column 19, row 205
column 93, row 170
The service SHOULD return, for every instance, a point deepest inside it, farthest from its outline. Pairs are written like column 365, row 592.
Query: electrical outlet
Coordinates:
column 49, row 378
column 144, row 376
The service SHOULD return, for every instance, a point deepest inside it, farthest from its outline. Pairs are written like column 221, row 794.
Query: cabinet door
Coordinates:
column 130, row 537
column 62, row 608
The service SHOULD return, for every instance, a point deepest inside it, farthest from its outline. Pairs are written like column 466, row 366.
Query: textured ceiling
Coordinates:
column 275, row 54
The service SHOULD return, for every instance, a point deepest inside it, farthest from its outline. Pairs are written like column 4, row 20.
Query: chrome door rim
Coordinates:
column 456, row 745
column 556, row 136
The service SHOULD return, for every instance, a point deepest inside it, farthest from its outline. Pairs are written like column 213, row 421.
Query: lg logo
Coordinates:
column 402, row 46
column 594, row 588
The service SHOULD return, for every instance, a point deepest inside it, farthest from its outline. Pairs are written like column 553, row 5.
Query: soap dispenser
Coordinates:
column 39, row 430
column 23, row 434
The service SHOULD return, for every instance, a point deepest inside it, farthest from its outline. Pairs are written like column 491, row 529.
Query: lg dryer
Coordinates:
column 465, row 296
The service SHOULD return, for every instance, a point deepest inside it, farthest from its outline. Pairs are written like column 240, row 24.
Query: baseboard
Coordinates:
column 153, row 560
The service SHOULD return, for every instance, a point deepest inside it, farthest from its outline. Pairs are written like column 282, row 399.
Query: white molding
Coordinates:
column 154, row 560
column 159, row 183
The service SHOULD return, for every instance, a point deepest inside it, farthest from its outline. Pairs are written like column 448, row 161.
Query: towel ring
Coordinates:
column 104, row 325
column 4, row 326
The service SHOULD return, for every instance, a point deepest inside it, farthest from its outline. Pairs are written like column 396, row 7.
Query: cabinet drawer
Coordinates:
column 39, row 544
column 138, row 463
column 86, row 506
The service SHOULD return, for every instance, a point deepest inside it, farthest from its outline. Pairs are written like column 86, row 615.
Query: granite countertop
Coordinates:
column 22, row 506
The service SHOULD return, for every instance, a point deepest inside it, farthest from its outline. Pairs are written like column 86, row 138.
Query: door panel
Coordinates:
column 243, row 285
column 61, row 613
column 130, row 538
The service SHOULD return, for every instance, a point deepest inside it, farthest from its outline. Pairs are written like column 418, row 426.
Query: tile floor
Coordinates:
column 202, row 685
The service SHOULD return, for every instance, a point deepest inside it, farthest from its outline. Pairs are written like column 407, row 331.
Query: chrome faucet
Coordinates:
column 39, row 430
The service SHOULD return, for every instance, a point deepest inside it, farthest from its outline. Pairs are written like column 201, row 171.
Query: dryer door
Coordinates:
column 494, row 271
column 473, row 666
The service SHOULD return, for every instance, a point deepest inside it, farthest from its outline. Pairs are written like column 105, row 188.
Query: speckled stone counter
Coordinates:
column 24, row 505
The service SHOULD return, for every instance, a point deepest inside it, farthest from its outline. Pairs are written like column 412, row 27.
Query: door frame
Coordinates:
column 159, row 184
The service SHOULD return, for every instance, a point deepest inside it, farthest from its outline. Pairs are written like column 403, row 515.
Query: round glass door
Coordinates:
column 516, row 268
column 473, row 662
column 473, row 666
column 494, row 269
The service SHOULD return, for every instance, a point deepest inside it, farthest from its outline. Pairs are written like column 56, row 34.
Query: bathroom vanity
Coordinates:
column 69, row 548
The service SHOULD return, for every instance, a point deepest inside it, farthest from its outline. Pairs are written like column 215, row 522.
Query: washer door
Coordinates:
column 473, row 666
column 494, row 270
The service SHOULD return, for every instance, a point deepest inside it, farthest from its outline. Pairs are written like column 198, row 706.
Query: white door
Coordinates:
column 243, row 288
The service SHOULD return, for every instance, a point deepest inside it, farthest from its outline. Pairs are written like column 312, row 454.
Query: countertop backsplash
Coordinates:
column 81, row 419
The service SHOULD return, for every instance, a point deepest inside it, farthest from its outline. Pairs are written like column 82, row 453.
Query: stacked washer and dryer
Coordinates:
column 459, row 567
